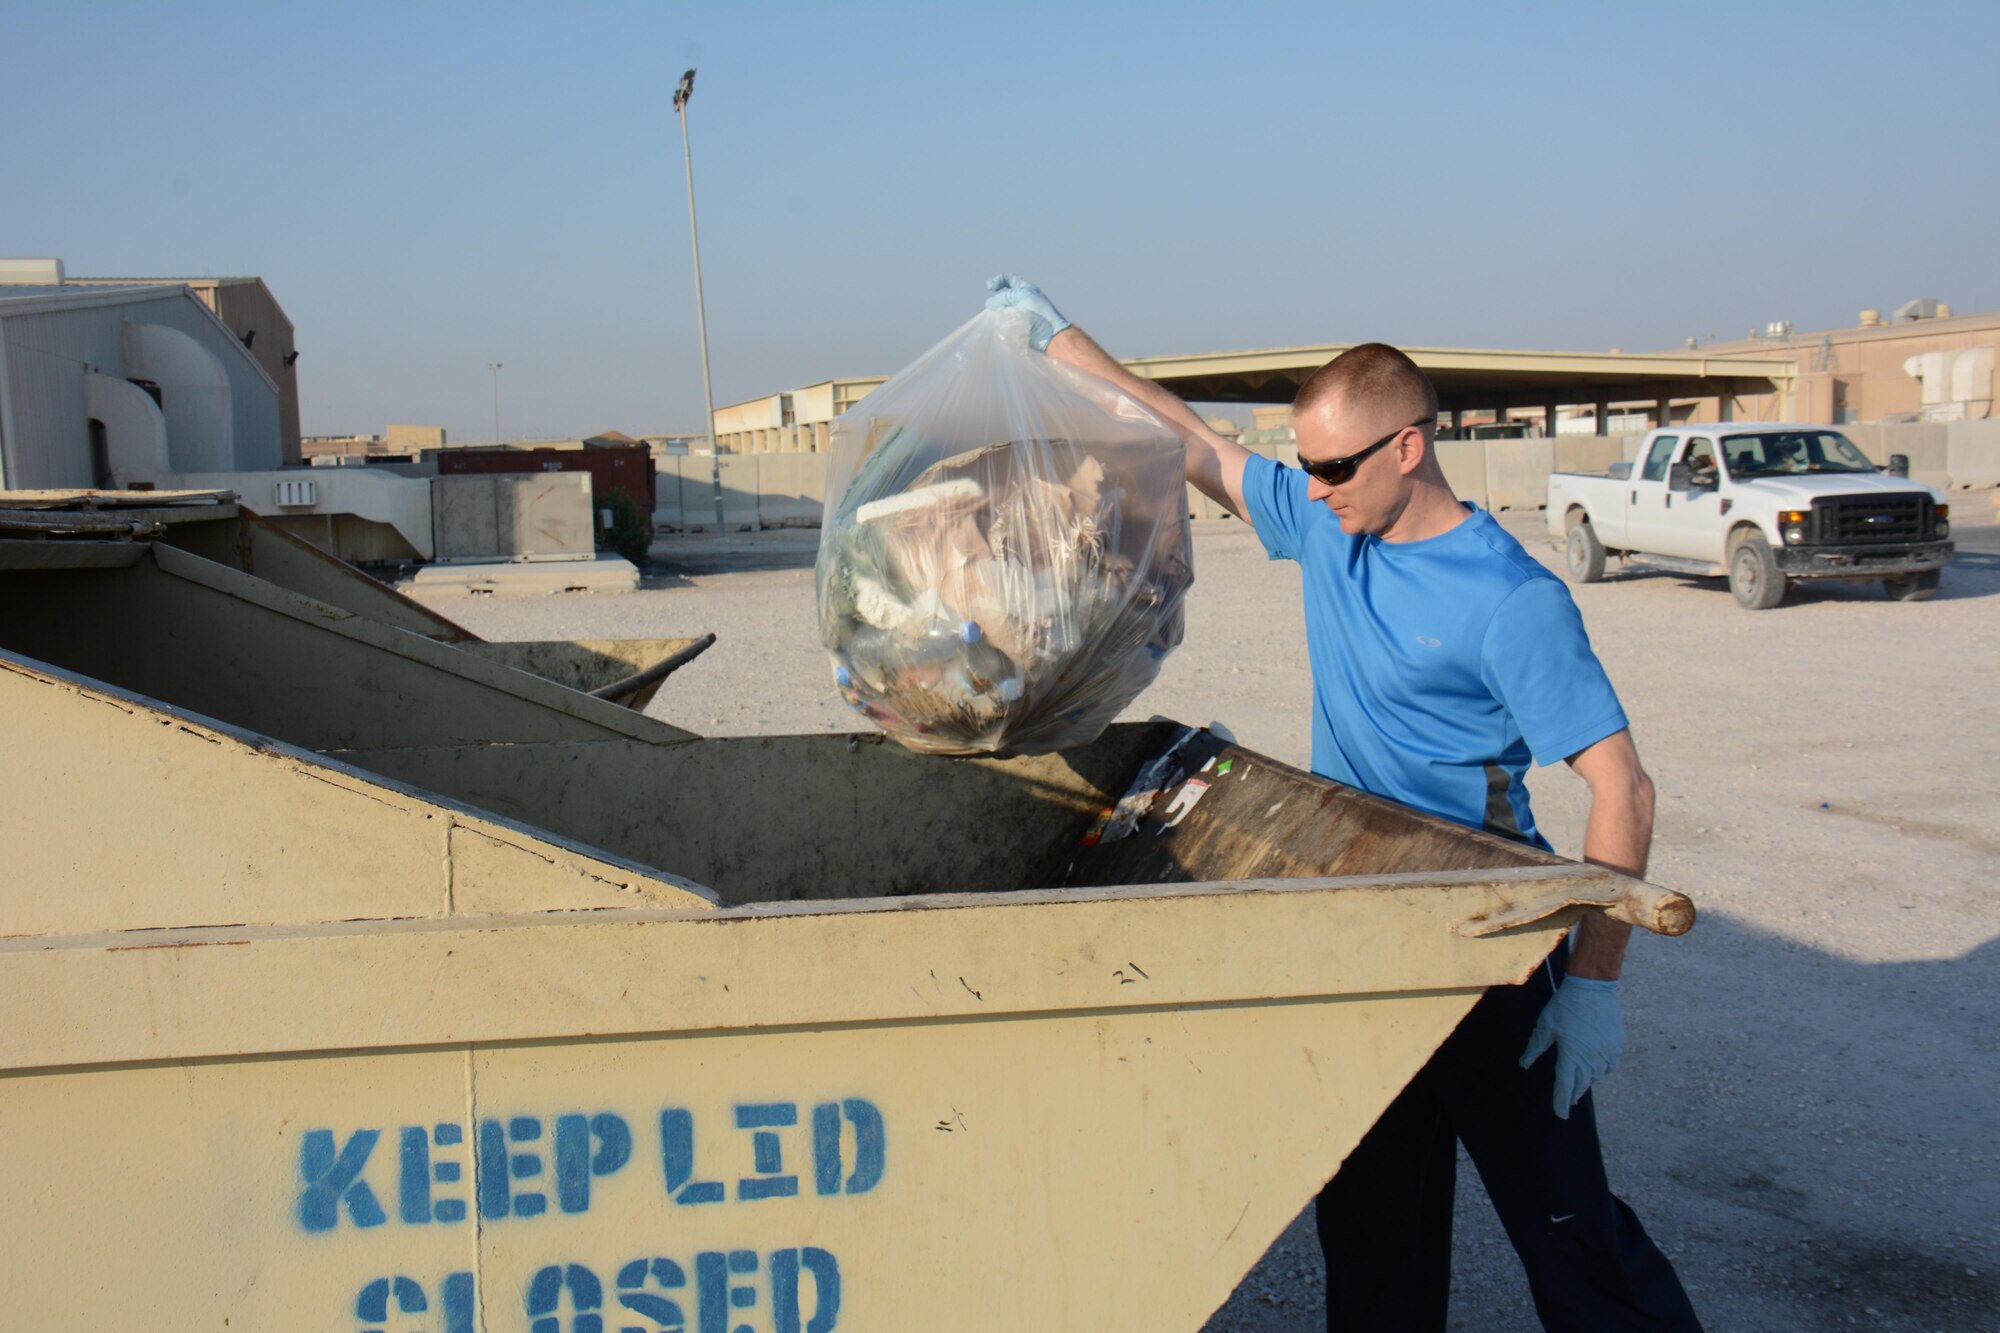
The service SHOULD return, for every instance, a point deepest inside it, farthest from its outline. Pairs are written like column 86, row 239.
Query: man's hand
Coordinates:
column 1583, row 1021
column 1012, row 293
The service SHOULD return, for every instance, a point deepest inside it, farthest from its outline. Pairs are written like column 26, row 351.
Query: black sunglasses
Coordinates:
column 1340, row 471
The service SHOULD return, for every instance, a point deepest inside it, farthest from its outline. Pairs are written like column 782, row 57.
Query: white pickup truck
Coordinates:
column 1764, row 504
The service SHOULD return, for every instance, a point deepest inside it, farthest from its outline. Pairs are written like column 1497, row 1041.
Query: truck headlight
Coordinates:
column 1792, row 524
column 1943, row 513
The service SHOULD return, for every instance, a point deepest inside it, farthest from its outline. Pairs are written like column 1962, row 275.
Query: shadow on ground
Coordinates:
column 691, row 555
column 1818, row 1164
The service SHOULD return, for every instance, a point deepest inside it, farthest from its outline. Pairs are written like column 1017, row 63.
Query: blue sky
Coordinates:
column 428, row 187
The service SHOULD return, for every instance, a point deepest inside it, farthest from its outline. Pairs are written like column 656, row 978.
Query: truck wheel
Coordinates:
column 1586, row 554
column 1754, row 576
column 1912, row 587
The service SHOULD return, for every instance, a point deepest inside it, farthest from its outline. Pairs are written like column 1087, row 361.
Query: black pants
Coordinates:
column 1385, row 1220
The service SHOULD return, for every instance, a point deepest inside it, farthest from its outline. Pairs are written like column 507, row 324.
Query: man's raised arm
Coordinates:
column 1214, row 464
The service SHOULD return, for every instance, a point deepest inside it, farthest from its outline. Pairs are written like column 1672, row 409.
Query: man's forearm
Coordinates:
column 1074, row 347
column 1214, row 465
column 1618, row 836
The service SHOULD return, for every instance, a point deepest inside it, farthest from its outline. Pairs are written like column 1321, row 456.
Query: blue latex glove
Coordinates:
column 1012, row 293
column 1585, row 1024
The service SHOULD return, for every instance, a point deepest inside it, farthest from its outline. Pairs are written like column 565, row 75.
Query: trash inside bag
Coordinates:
column 1005, row 550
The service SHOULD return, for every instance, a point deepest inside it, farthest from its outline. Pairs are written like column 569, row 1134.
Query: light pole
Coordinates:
column 682, row 95
column 496, row 367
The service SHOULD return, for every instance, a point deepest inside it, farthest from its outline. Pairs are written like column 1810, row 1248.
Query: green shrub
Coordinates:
column 631, row 532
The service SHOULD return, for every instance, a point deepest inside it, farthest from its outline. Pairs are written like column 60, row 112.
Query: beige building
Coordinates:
column 1923, row 363
column 330, row 450
column 258, row 321
column 413, row 439
column 799, row 422
column 395, row 442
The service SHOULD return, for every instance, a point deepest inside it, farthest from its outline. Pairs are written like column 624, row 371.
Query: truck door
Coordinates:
column 1646, row 497
column 1687, row 521
column 1693, row 521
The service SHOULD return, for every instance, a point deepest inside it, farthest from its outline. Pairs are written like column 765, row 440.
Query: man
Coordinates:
column 1445, row 659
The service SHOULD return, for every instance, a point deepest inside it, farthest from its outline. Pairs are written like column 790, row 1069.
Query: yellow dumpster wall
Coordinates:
column 262, row 547
column 1032, row 1110
column 203, row 636
column 125, row 816
column 293, row 1047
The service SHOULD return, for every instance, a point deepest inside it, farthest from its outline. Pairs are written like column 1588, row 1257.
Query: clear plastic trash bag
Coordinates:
column 1005, row 550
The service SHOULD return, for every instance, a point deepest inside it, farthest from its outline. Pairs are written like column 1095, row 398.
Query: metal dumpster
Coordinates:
column 101, row 528
column 356, row 983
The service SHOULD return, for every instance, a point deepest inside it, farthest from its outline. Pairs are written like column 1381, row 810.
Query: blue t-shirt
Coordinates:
column 1440, row 667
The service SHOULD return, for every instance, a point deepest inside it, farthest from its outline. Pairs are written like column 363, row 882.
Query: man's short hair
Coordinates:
column 1373, row 378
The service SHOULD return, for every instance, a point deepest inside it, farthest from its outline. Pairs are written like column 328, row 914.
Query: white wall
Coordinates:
column 195, row 395
column 403, row 503
column 135, row 431
column 813, row 403
column 758, row 414
column 45, row 355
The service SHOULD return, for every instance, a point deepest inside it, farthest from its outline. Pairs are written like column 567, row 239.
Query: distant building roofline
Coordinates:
column 35, row 300
column 1887, row 329
column 77, row 281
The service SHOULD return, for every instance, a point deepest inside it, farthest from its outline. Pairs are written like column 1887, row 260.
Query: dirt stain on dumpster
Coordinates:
column 171, row 944
column 1233, row 1227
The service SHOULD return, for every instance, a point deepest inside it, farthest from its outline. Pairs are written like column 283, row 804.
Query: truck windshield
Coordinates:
column 1778, row 452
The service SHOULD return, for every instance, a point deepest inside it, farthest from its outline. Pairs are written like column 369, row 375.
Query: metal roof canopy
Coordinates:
column 1477, row 378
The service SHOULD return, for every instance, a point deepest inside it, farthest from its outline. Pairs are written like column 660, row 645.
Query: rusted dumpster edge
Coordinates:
column 645, row 971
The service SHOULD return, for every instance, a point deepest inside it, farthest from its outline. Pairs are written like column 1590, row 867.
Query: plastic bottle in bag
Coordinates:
column 1005, row 549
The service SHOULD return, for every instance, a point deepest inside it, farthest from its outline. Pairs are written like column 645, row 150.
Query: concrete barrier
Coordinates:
column 1972, row 453
column 1587, row 453
column 1867, row 437
column 1517, row 473
column 1924, row 442
column 791, row 490
column 667, row 495
column 739, row 491
column 697, row 494
column 1464, row 464
column 1928, row 449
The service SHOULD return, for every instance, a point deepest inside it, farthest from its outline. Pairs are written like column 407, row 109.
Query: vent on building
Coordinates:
column 1926, row 307
column 296, row 495
column 31, row 272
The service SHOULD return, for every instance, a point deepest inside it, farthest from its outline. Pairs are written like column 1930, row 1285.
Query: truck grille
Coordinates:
column 1856, row 519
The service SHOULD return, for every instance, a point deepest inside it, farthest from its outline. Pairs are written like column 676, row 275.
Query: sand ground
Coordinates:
column 1806, row 1114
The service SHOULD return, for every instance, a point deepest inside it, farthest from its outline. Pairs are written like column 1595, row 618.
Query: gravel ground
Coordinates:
column 1805, row 1114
